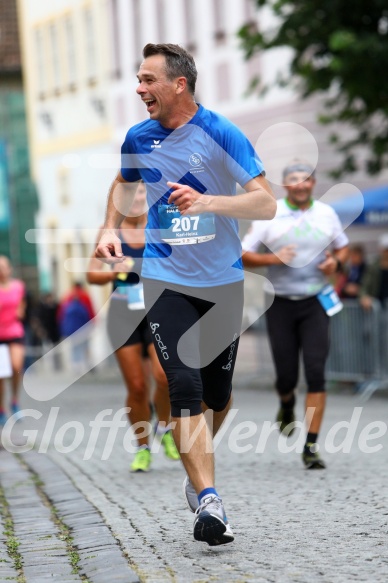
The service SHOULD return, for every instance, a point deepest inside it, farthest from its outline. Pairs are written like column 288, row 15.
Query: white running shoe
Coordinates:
column 210, row 523
column 190, row 494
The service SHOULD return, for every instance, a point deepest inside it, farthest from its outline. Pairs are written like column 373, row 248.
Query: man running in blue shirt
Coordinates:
column 190, row 159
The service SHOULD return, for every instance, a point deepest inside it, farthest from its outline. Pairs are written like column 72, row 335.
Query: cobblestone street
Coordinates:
column 77, row 519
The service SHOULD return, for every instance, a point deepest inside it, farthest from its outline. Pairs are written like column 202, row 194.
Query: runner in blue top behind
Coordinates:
column 190, row 159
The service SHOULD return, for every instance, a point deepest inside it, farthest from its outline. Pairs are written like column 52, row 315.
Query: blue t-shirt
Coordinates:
column 211, row 155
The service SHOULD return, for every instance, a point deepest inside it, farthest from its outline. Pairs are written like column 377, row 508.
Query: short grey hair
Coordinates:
column 179, row 63
column 298, row 166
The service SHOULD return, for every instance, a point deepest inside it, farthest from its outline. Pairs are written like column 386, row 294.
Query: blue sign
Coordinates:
column 4, row 190
column 375, row 211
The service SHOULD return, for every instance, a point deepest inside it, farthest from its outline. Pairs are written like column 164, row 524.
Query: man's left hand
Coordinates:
column 329, row 265
column 187, row 200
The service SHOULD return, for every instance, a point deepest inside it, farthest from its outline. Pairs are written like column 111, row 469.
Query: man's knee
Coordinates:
column 138, row 390
column 217, row 402
column 286, row 385
column 185, row 390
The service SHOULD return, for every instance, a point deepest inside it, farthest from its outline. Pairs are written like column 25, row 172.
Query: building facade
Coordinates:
column 80, row 61
column 67, row 66
column 18, row 197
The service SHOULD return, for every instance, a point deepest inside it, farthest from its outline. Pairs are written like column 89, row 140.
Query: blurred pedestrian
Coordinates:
column 298, row 319
column 374, row 284
column 75, row 311
column 348, row 280
column 133, row 352
column 12, row 310
column 32, row 331
column 47, row 313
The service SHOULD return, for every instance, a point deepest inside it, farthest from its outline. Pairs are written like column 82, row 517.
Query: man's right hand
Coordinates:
column 285, row 255
column 109, row 247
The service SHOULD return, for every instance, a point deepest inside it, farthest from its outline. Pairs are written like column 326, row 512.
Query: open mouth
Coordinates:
column 149, row 103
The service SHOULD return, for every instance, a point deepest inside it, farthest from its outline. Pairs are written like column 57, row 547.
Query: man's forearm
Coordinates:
column 252, row 259
column 256, row 204
column 120, row 197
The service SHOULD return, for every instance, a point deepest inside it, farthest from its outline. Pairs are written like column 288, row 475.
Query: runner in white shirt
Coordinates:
column 298, row 264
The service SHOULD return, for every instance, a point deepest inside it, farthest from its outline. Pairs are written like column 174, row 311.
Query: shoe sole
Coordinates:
column 138, row 471
column 211, row 530
column 315, row 466
column 172, row 458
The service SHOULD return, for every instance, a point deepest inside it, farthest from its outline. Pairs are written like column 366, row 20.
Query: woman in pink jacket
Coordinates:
column 12, row 307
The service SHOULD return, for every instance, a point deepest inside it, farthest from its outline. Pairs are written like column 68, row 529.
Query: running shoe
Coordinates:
column 190, row 494
column 311, row 458
column 15, row 410
column 285, row 417
column 170, row 448
column 142, row 461
column 210, row 524
column 3, row 419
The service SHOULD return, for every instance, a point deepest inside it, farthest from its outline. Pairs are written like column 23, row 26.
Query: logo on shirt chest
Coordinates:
column 156, row 144
column 196, row 163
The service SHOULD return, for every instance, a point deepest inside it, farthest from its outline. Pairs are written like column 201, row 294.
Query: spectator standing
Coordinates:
column 374, row 285
column 12, row 310
column 47, row 314
column 76, row 310
column 348, row 284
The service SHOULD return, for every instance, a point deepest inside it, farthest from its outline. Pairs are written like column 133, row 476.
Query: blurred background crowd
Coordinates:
column 285, row 75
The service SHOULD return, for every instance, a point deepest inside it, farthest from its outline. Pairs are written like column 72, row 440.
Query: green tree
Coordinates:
column 340, row 50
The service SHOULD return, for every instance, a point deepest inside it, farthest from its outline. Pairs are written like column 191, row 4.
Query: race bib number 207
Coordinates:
column 185, row 230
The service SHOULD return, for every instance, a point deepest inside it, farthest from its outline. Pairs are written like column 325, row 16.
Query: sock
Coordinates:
column 140, row 447
column 206, row 492
column 311, row 438
column 288, row 405
column 161, row 429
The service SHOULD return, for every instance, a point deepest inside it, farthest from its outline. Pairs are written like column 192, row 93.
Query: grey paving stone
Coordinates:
column 291, row 526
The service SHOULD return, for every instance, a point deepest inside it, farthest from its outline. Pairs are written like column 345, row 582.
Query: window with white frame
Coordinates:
column 71, row 62
column 136, row 27
column 250, row 8
column 55, row 58
column 40, row 62
column 90, row 45
column 63, row 186
column 250, row 14
column 160, row 20
column 223, row 82
column 219, row 21
column 190, row 28
column 115, row 30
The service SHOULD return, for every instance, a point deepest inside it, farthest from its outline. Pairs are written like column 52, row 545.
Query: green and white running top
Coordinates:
column 312, row 231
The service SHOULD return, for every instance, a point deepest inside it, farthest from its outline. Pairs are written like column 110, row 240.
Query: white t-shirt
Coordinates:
column 312, row 231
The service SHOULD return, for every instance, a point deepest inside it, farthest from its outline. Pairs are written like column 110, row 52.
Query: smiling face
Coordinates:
column 157, row 91
column 299, row 186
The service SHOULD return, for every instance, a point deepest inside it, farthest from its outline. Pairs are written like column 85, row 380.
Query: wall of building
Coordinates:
column 80, row 62
column 18, row 194
column 67, row 67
